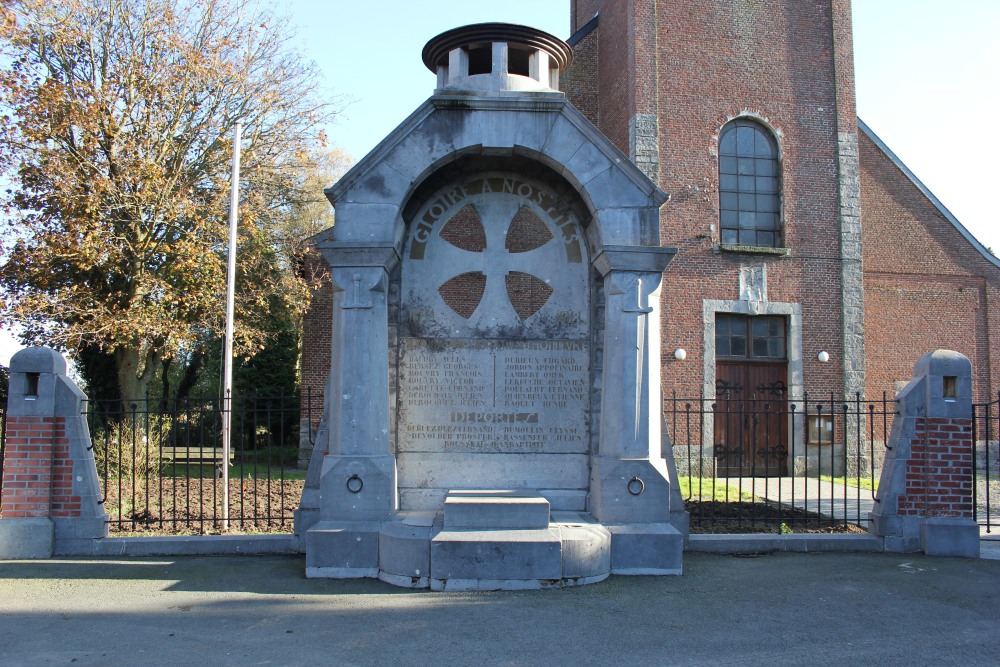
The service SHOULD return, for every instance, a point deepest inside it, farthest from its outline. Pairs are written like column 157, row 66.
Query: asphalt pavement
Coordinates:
column 779, row 609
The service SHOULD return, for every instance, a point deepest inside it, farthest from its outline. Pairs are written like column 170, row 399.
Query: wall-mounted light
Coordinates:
column 680, row 354
column 823, row 357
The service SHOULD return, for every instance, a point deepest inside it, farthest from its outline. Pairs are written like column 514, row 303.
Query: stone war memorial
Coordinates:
column 492, row 415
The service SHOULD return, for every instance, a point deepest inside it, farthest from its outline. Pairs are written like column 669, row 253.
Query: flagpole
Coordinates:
column 227, row 355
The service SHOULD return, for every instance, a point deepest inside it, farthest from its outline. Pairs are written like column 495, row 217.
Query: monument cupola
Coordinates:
column 496, row 58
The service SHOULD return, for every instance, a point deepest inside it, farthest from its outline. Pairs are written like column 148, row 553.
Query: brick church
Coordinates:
column 809, row 259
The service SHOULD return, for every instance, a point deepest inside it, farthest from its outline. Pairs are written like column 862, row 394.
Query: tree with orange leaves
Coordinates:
column 116, row 126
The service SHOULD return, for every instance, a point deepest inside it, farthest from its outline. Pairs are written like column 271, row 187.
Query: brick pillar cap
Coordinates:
column 38, row 359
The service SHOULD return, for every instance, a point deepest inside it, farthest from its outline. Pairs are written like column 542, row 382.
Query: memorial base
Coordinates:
column 342, row 550
column 646, row 548
column 491, row 540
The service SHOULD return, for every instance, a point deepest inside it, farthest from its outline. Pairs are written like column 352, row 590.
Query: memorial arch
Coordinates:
column 495, row 356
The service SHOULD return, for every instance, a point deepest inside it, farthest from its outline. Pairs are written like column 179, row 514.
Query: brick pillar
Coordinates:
column 925, row 495
column 51, row 497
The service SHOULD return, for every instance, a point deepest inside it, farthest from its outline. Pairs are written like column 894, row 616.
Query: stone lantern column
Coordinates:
column 630, row 482
column 51, row 500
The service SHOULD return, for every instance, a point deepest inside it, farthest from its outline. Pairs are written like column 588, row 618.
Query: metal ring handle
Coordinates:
column 355, row 483
column 635, row 486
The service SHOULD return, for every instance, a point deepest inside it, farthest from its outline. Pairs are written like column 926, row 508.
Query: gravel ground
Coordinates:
column 178, row 506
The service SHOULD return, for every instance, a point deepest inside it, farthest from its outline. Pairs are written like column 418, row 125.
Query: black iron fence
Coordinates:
column 762, row 462
column 160, row 462
column 986, row 480
column 746, row 464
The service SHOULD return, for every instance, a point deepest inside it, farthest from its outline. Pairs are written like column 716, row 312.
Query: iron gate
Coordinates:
column 986, row 475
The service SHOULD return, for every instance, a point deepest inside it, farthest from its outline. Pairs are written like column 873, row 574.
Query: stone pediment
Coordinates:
column 622, row 201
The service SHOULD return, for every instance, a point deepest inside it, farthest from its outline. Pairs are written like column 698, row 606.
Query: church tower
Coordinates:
column 744, row 113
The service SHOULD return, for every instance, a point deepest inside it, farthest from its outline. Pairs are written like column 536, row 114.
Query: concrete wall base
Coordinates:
column 181, row 545
column 945, row 536
column 753, row 543
column 27, row 538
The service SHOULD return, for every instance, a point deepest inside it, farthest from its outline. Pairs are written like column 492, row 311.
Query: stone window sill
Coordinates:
column 754, row 249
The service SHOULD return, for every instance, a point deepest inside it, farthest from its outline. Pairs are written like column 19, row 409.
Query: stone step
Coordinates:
column 495, row 559
column 484, row 509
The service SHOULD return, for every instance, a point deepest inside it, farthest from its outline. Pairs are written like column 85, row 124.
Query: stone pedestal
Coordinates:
column 490, row 540
column 631, row 485
column 500, row 510
column 926, row 493
column 342, row 550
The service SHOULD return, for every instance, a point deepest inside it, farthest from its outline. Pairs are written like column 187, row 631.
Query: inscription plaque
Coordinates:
column 472, row 395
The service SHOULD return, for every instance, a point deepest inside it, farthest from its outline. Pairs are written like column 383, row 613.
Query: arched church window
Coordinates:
column 749, row 185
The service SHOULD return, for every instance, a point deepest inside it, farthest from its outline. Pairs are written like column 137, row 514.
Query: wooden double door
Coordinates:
column 751, row 419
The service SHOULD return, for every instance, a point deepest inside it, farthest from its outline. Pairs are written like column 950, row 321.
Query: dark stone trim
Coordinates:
column 754, row 249
column 584, row 31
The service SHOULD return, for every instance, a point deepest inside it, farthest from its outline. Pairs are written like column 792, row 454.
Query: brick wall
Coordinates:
column 772, row 60
column 579, row 82
column 926, row 286
column 316, row 338
column 37, row 470
column 616, row 97
column 582, row 11
column 939, row 470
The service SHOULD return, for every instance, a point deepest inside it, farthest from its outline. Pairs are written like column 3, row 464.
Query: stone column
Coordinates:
column 51, row 496
column 355, row 464
column 629, row 478
column 925, row 495
column 359, row 453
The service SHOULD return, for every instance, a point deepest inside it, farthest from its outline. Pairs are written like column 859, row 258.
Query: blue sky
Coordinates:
column 928, row 80
column 928, row 73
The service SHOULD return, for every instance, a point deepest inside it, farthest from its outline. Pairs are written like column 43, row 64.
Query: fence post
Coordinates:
column 51, row 497
column 925, row 496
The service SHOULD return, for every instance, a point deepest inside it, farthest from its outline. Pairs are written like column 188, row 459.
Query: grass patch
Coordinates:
column 710, row 488
column 860, row 482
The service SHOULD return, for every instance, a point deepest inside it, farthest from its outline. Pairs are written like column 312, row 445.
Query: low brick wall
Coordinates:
column 51, row 500
column 37, row 472
column 939, row 470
